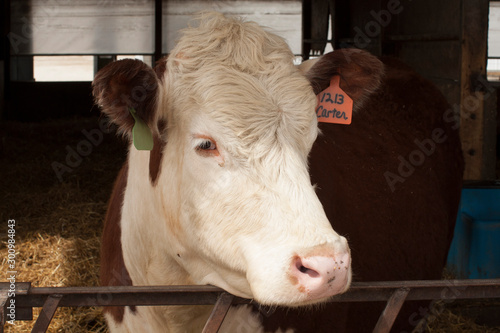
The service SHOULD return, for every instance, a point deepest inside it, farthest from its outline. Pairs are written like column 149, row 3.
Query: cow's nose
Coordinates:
column 321, row 276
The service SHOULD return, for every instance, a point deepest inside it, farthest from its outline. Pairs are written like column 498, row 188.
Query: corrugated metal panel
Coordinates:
column 494, row 30
column 83, row 27
column 282, row 17
column 45, row 27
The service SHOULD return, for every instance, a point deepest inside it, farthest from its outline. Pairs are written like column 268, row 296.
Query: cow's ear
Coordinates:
column 124, row 85
column 360, row 73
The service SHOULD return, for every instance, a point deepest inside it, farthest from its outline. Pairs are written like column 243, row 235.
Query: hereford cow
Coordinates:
column 225, row 197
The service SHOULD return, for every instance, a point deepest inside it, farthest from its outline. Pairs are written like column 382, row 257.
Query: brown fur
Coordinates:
column 360, row 73
column 126, row 84
column 113, row 270
column 156, row 155
column 400, row 235
column 116, row 88
column 161, row 67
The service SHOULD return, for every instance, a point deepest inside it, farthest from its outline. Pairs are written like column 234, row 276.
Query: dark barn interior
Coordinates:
column 59, row 156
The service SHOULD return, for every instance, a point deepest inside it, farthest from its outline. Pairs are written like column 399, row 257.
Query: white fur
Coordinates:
column 233, row 220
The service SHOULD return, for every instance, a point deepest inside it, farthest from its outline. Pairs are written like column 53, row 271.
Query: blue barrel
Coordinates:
column 475, row 249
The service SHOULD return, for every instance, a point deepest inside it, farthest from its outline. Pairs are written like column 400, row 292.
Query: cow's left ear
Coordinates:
column 124, row 85
column 360, row 73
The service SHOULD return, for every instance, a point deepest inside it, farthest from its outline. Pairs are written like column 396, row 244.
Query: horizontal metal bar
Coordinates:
column 206, row 295
column 21, row 288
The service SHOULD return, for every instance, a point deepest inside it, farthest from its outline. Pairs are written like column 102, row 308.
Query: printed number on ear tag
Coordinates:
column 334, row 105
column 141, row 134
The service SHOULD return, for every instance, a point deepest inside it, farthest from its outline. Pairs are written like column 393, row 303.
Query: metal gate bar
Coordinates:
column 391, row 310
column 394, row 293
column 218, row 313
column 48, row 310
column 3, row 307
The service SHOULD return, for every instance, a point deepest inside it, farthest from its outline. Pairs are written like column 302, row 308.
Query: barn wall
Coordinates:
column 96, row 27
column 494, row 30
column 282, row 17
column 127, row 27
column 427, row 36
column 446, row 42
column 4, row 54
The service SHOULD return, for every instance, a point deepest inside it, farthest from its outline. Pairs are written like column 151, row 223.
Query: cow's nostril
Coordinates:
column 303, row 269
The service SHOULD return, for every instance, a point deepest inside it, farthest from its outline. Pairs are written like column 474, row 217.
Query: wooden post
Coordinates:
column 474, row 91
column 158, row 41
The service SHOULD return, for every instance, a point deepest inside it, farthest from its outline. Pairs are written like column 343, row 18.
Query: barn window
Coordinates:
column 70, row 41
column 63, row 68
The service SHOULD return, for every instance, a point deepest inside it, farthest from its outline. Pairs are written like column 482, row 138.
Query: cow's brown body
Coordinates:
column 394, row 235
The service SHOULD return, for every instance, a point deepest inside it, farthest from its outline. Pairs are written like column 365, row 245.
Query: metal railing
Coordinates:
column 394, row 293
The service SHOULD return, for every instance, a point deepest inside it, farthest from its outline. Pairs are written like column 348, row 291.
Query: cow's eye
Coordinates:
column 206, row 145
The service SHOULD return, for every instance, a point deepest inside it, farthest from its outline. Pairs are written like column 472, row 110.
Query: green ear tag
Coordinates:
column 141, row 134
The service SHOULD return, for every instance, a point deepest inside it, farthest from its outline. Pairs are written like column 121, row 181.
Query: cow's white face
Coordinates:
column 249, row 219
column 232, row 203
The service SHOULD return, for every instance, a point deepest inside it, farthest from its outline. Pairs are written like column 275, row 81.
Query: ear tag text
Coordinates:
column 141, row 134
column 334, row 105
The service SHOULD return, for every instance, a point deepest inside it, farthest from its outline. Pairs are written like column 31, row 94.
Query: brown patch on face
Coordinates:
column 113, row 271
column 161, row 67
column 319, row 251
column 156, row 155
column 293, row 279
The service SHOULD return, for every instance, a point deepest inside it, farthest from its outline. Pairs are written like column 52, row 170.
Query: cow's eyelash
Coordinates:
column 206, row 145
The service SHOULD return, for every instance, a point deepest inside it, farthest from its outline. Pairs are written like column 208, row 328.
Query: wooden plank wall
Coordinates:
column 446, row 42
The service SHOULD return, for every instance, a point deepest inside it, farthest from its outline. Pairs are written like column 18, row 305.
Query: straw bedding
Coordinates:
column 58, row 224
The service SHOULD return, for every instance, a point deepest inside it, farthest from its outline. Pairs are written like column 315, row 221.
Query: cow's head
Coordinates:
column 234, row 122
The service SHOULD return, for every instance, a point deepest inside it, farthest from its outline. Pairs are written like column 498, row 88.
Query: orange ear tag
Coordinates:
column 334, row 105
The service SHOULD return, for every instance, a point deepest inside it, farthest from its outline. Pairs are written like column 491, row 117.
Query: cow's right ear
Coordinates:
column 360, row 73
column 124, row 85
